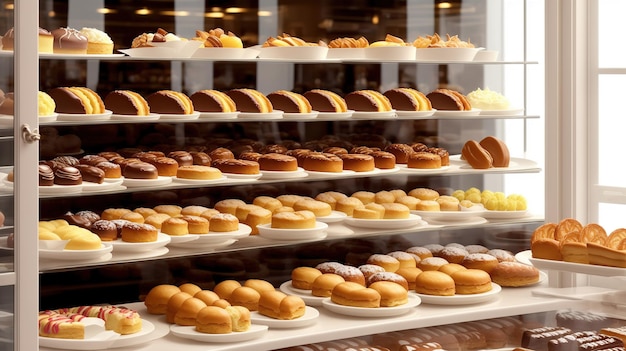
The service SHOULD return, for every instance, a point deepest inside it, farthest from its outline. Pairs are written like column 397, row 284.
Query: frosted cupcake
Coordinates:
column 486, row 99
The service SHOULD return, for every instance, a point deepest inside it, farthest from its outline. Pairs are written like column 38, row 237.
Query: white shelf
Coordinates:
column 6, row 278
column 331, row 326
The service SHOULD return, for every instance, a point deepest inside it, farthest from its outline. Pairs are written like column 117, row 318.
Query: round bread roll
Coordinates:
column 348, row 204
column 293, row 220
column 366, row 213
column 245, row 296
column 190, row 288
column 424, row 194
column 428, row 205
column 175, row 226
column 193, row 210
column 188, row 311
column 396, row 211
column 448, row 203
column 229, row 205
column 196, row 224
column 223, row 222
column 209, row 297
column 431, row 263
column 384, row 196
column 289, row 199
column 514, row 274
column 214, row 320
column 259, row 285
column 171, row 210
column 114, row 213
column 378, row 208
column 420, row 251
column 145, row 211
column 319, row 208
column 356, row 295
column 156, row 300
column 351, row 274
column 390, row 264
column 276, row 304
column 370, row 269
column 481, row 261
column 434, row 283
column 133, row 217
column 450, row 268
column 388, row 277
column 174, row 303
column 139, row 233
column 405, row 258
column 330, row 197
column 157, row 219
column 268, row 203
column 329, row 267
column 408, row 201
column 303, row 277
column 453, row 254
column 225, row 288
column 391, row 294
column 471, row 281
column 409, row 274
column 240, row 317
column 324, row 284
column 365, row 196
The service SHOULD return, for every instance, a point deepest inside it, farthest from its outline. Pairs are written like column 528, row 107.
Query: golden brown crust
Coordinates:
column 498, row 150
column 476, row 155
column 356, row 295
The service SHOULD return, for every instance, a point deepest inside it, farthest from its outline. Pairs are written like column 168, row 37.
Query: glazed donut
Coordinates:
column 183, row 158
column 166, row 167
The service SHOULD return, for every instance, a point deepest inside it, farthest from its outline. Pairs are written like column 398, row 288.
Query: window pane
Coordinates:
column 611, row 124
column 610, row 24
column 611, row 216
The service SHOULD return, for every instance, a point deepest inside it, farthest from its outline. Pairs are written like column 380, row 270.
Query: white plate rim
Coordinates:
column 335, row 115
column 309, row 115
column 448, row 215
column 276, row 114
column 198, row 181
column 507, row 112
column 188, row 332
column 96, row 187
column 78, row 117
column 391, row 114
column 67, row 255
column 413, row 301
column 583, row 268
column 406, row 169
column 218, row 115
column 242, row 176
column 132, row 183
column 476, row 220
column 149, row 117
column 319, row 232
column 412, row 221
column 179, row 117
column 305, row 295
column 175, row 239
column 454, row 114
column 310, row 317
column 300, row 173
column 459, row 299
column 401, row 114
column 122, row 246
column 333, row 217
column 57, row 189
column 489, row 214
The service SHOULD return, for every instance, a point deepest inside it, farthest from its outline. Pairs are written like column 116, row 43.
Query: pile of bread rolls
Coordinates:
column 224, row 309
column 570, row 241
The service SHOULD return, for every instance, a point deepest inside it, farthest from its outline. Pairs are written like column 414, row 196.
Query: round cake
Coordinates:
column 290, row 102
column 198, row 172
column 236, row 166
column 358, row 162
column 69, row 41
column 424, row 160
column 277, row 162
column 209, row 100
column 325, row 101
column 139, row 233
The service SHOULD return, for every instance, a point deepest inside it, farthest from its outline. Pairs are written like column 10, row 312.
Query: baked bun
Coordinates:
column 424, row 193
column 391, row 294
column 498, row 150
column 390, row 264
column 450, row 268
column 174, row 303
column 156, row 300
column 190, row 288
column 290, row 102
column 370, row 269
column 293, row 220
column 213, row 320
column 278, row 305
column 481, row 261
column 356, row 295
column 330, row 197
column 514, row 274
column 174, row 226
column 405, row 258
column 209, row 100
column 303, row 277
column 471, row 281
column 348, row 204
column 246, row 297
column 250, row 100
column 240, row 318
column 225, row 288
column 259, row 285
column 396, row 211
column 388, row 277
column 434, row 283
column 410, row 275
column 324, row 284
column 431, row 263
column 188, row 311
column 476, row 155
column 277, row 162
column 325, row 101
column 351, row 274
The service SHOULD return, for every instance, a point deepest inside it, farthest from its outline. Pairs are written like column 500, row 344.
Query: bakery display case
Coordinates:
column 124, row 274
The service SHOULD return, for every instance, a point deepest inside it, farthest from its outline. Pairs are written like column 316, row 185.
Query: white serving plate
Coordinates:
column 48, row 119
column 185, row 332
column 102, row 341
column 75, row 255
column 294, row 52
column 78, row 56
column 305, row 295
column 242, row 176
column 451, row 216
column 132, row 255
column 414, row 114
column 300, row 173
column 374, row 115
column 168, row 49
column 165, row 117
column 515, row 164
column 104, row 186
column 392, row 53
column 136, row 183
column 60, row 189
column 311, row 115
column 446, row 54
column 462, row 299
column 198, row 181
column 406, row 169
column 149, row 117
column 441, row 114
column 310, row 317
column 177, row 239
column 590, row 269
column 412, row 221
column 335, row 115
column 276, row 114
column 319, row 232
column 226, row 53
column 467, row 221
column 218, row 115
column 342, row 174
column 346, row 53
column 78, row 117
column 216, row 239
column 122, row 246
column 413, row 301
column 333, row 217
column 486, row 56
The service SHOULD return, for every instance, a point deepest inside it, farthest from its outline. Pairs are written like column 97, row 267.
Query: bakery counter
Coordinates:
column 333, row 326
column 50, row 261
